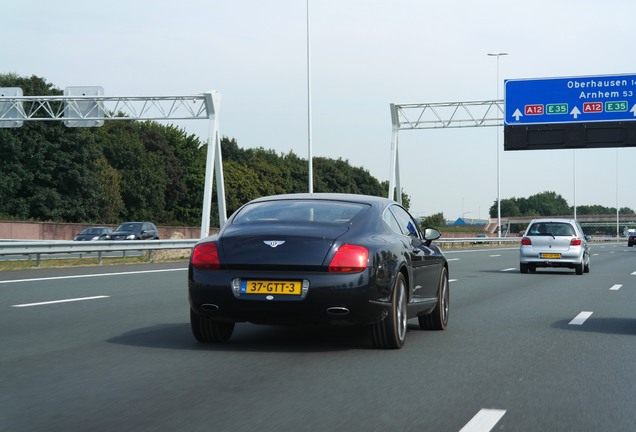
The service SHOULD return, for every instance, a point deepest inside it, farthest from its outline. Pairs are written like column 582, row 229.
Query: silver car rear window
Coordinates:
column 551, row 229
column 299, row 211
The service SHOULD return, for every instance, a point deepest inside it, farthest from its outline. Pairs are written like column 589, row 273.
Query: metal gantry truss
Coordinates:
column 87, row 111
column 448, row 114
column 42, row 108
column 435, row 116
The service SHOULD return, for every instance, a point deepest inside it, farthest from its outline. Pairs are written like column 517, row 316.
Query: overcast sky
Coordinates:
column 365, row 55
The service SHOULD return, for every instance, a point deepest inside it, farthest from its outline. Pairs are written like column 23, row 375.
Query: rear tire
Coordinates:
column 586, row 267
column 578, row 268
column 523, row 268
column 207, row 330
column 438, row 319
column 390, row 333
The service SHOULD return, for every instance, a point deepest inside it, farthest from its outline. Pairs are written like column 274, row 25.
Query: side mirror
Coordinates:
column 431, row 234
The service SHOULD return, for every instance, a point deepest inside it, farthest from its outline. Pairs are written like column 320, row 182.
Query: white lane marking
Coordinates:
column 594, row 254
column 634, row 274
column 580, row 318
column 615, row 287
column 493, row 256
column 452, row 280
column 483, row 421
column 89, row 275
column 60, row 301
column 453, row 259
column 510, row 269
column 450, row 252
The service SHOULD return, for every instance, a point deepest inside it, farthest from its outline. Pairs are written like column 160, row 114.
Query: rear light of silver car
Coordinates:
column 526, row 241
column 576, row 242
column 205, row 256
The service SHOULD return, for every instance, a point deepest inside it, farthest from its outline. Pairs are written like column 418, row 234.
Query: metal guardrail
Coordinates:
column 474, row 241
column 39, row 248
column 508, row 241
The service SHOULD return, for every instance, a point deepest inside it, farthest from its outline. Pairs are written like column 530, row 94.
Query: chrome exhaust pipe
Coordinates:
column 337, row 310
column 210, row 307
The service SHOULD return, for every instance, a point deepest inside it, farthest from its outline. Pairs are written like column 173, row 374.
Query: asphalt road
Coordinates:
column 110, row 349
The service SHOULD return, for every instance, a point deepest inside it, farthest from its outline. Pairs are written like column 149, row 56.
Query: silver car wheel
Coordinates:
column 444, row 300
column 401, row 315
column 390, row 332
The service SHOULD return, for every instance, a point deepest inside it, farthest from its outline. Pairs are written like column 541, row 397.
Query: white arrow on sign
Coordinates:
column 517, row 114
column 575, row 111
column 633, row 110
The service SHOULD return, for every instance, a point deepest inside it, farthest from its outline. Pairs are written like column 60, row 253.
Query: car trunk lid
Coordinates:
column 551, row 243
column 290, row 245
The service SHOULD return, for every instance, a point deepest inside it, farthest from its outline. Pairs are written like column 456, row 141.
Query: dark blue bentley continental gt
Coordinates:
column 334, row 259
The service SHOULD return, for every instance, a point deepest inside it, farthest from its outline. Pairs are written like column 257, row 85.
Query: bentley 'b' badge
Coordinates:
column 274, row 243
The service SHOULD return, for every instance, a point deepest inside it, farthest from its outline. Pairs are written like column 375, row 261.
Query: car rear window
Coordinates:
column 129, row 227
column 551, row 229
column 299, row 211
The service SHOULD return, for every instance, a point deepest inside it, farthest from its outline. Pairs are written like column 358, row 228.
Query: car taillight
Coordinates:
column 575, row 242
column 205, row 256
column 349, row 259
column 526, row 241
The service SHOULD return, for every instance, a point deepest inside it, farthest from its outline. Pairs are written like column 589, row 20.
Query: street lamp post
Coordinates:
column 497, row 55
column 309, row 144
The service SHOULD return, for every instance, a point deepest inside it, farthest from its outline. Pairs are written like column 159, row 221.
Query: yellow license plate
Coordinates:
column 251, row 286
column 550, row 255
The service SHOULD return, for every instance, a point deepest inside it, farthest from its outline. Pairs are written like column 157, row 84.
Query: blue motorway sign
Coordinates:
column 570, row 100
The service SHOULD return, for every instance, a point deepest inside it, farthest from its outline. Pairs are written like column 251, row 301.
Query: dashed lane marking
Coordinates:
column 580, row 318
column 483, row 421
column 60, row 301
column 88, row 275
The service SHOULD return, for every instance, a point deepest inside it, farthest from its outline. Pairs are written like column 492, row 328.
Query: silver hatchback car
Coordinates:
column 554, row 243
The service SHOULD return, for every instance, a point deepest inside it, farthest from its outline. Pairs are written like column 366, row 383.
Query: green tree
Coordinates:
column 541, row 204
column 434, row 221
column 143, row 175
column 109, row 200
column 47, row 170
column 509, row 207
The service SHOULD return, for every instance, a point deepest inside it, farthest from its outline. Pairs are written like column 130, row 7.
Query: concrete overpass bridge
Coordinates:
column 622, row 222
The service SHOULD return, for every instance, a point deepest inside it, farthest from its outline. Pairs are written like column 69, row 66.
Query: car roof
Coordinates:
column 368, row 199
column 544, row 220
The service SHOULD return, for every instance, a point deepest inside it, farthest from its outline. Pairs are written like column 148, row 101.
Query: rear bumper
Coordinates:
column 331, row 300
column 568, row 259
